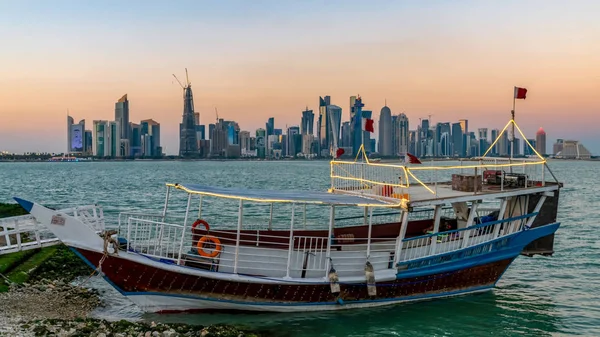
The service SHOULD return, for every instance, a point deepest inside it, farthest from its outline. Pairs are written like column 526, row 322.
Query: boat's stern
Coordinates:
column 547, row 216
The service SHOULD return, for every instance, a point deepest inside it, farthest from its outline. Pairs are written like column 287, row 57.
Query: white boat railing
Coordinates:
column 20, row 233
column 399, row 181
column 277, row 254
column 448, row 241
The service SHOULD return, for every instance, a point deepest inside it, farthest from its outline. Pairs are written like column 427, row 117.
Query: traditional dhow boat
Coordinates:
column 382, row 234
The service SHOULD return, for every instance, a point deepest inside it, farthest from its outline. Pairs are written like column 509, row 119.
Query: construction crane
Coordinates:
column 217, row 113
column 187, row 79
column 178, row 81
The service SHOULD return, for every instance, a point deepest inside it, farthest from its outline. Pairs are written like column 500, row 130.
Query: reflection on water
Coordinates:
column 539, row 296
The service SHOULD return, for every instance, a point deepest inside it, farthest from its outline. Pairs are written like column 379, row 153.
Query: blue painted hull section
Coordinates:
column 508, row 247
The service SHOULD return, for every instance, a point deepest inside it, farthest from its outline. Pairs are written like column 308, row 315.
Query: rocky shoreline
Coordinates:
column 38, row 297
column 59, row 308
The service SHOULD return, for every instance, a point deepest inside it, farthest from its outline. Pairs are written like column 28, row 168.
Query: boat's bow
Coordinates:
column 70, row 230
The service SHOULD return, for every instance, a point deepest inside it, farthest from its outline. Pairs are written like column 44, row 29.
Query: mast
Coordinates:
column 512, row 139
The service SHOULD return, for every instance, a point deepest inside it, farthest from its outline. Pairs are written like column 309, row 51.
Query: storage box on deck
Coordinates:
column 466, row 182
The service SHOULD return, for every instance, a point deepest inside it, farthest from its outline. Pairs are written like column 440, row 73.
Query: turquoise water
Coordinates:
column 539, row 296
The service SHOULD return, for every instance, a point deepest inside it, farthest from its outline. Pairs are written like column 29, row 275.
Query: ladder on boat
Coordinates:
column 21, row 233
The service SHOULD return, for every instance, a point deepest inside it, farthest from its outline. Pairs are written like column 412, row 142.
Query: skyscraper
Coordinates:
column 334, row 116
column 151, row 138
column 101, row 139
column 495, row 133
column 308, row 120
column 270, row 126
column 457, row 141
column 483, row 141
column 403, row 134
column 558, row 146
column 356, row 126
column 540, row 141
column 464, row 126
column 442, row 140
column 188, row 141
column 322, row 124
column 260, row 143
column 385, row 132
column 122, row 116
column 75, row 136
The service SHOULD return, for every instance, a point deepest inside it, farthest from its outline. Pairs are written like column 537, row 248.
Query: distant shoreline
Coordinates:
column 384, row 160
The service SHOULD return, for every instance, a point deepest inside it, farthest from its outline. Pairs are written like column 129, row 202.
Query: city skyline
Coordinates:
column 462, row 64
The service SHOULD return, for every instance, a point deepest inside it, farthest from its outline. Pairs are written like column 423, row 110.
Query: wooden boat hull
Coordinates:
column 173, row 288
column 159, row 290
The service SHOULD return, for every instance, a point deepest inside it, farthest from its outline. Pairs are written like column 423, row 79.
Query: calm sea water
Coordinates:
column 539, row 296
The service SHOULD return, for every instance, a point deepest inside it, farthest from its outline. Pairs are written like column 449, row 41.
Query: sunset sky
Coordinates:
column 257, row 59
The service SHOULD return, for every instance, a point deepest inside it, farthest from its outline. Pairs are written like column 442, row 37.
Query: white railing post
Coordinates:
column 128, row 233
column 543, row 174
column 537, row 208
column 403, row 225
column 304, row 216
column 36, row 227
column 501, row 212
column 435, row 181
column 238, row 236
column 18, row 235
column 164, row 212
column 369, row 234
column 291, row 243
column 329, row 239
column 271, row 217
column 470, row 219
column 185, row 221
column 200, row 207
column 437, row 215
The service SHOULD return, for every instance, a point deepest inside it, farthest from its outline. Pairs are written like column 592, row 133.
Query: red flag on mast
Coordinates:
column 520, row 93
column 409, row 158
column 368, row 125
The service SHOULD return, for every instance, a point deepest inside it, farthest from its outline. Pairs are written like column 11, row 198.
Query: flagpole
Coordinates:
column 362, row 135
column 512, row 140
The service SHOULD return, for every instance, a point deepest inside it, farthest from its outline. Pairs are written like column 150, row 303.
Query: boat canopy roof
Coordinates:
column 301, row 197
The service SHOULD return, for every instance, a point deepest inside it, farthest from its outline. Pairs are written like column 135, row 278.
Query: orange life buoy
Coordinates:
column 200, row 221
column 202, row 241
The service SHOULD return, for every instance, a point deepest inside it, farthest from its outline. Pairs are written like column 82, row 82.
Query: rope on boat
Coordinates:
column 107, row 238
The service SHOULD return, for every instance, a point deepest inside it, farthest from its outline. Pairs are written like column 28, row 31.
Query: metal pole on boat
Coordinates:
column 437, row 215
column 329, row 239
column 403, row 225
column 370, row 230
column 512, row 139
column 183, row 231
column 164, row 213
column 304, row 216
column 239, row 232
column 291, row 243
column 271, row 217
column 200, row 207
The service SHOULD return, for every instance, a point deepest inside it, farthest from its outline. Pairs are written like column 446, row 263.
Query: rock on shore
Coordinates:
column 57, row 308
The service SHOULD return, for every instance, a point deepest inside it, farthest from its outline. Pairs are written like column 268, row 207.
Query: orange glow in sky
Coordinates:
column 452, row 60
